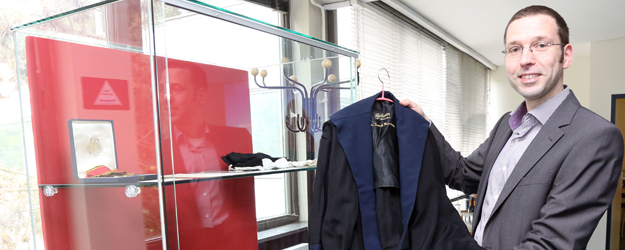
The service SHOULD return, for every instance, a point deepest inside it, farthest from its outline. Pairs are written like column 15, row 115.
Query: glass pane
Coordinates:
column 224, row 88
column 89, row 128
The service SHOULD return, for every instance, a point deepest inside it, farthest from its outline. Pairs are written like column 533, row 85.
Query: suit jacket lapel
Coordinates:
column 412, row 131
column 353, row 125
column 548, row 136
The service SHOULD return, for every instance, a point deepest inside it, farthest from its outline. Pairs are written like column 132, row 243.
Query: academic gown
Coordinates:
column 343, row 213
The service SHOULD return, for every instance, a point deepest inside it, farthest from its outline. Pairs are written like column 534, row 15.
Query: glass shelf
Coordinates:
column 186, row 178
column 223, row 175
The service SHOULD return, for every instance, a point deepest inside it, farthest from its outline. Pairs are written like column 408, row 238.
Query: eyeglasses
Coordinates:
column 537, row 48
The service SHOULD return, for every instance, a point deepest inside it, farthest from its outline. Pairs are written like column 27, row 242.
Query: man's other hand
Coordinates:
column 414, row 106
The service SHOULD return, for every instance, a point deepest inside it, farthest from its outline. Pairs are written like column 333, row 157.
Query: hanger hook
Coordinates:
column 387, row 74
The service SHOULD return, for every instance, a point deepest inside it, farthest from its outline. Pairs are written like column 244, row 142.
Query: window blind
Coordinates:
column 448, row 84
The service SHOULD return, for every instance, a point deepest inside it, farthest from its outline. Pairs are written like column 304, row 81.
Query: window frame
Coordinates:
column 292, row 214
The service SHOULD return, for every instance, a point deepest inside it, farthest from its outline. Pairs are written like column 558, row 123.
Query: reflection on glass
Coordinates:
column 208, row 109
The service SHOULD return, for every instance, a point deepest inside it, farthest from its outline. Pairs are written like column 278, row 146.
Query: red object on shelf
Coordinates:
column 74, row 81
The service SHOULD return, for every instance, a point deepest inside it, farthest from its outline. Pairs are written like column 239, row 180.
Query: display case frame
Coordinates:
column 33, row 38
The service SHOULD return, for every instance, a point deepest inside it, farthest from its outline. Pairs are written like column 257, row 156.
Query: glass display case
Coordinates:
column 148, row 118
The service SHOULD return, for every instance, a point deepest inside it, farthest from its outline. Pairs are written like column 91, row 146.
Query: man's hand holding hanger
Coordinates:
column 414, row 106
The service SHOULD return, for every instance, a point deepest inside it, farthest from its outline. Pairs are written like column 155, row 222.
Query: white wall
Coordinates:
column 502, row 97
column 606, row 74
column 306, row 18
column 577, row 76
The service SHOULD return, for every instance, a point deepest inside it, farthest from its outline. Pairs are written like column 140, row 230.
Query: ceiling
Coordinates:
column 480, row 24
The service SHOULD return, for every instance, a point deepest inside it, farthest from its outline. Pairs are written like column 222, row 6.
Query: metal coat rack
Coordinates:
column 309, row 102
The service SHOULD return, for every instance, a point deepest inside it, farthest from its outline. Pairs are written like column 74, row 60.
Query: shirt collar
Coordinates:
column 541, row 113
column 179, row 135
column 516, row 117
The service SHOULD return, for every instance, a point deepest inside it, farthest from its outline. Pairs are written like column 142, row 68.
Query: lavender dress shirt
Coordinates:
column 525, row 126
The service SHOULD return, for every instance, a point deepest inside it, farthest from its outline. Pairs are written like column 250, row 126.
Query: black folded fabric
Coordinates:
column 246, row 160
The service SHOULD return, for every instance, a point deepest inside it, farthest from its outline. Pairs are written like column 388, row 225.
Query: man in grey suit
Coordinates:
column 549, row 169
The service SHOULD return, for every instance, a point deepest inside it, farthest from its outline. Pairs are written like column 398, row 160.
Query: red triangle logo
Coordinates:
column 107, row 96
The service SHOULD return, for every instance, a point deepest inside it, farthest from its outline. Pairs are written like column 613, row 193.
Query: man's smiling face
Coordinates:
column 536, row 77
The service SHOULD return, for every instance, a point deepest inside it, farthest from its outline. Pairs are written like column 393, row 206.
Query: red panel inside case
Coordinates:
column 74, row 81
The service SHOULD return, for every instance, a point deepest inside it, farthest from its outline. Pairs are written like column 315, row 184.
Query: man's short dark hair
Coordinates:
column 197, row 73
column 563, row 29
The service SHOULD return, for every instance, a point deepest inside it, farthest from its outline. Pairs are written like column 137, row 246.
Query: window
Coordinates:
column 276, row 196
column 274, row 193
column 448, row 84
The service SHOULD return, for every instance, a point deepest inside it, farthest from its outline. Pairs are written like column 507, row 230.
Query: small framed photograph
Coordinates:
column 93, row 146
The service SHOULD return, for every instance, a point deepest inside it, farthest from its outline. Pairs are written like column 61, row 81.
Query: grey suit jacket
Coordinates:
column 558, row 191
